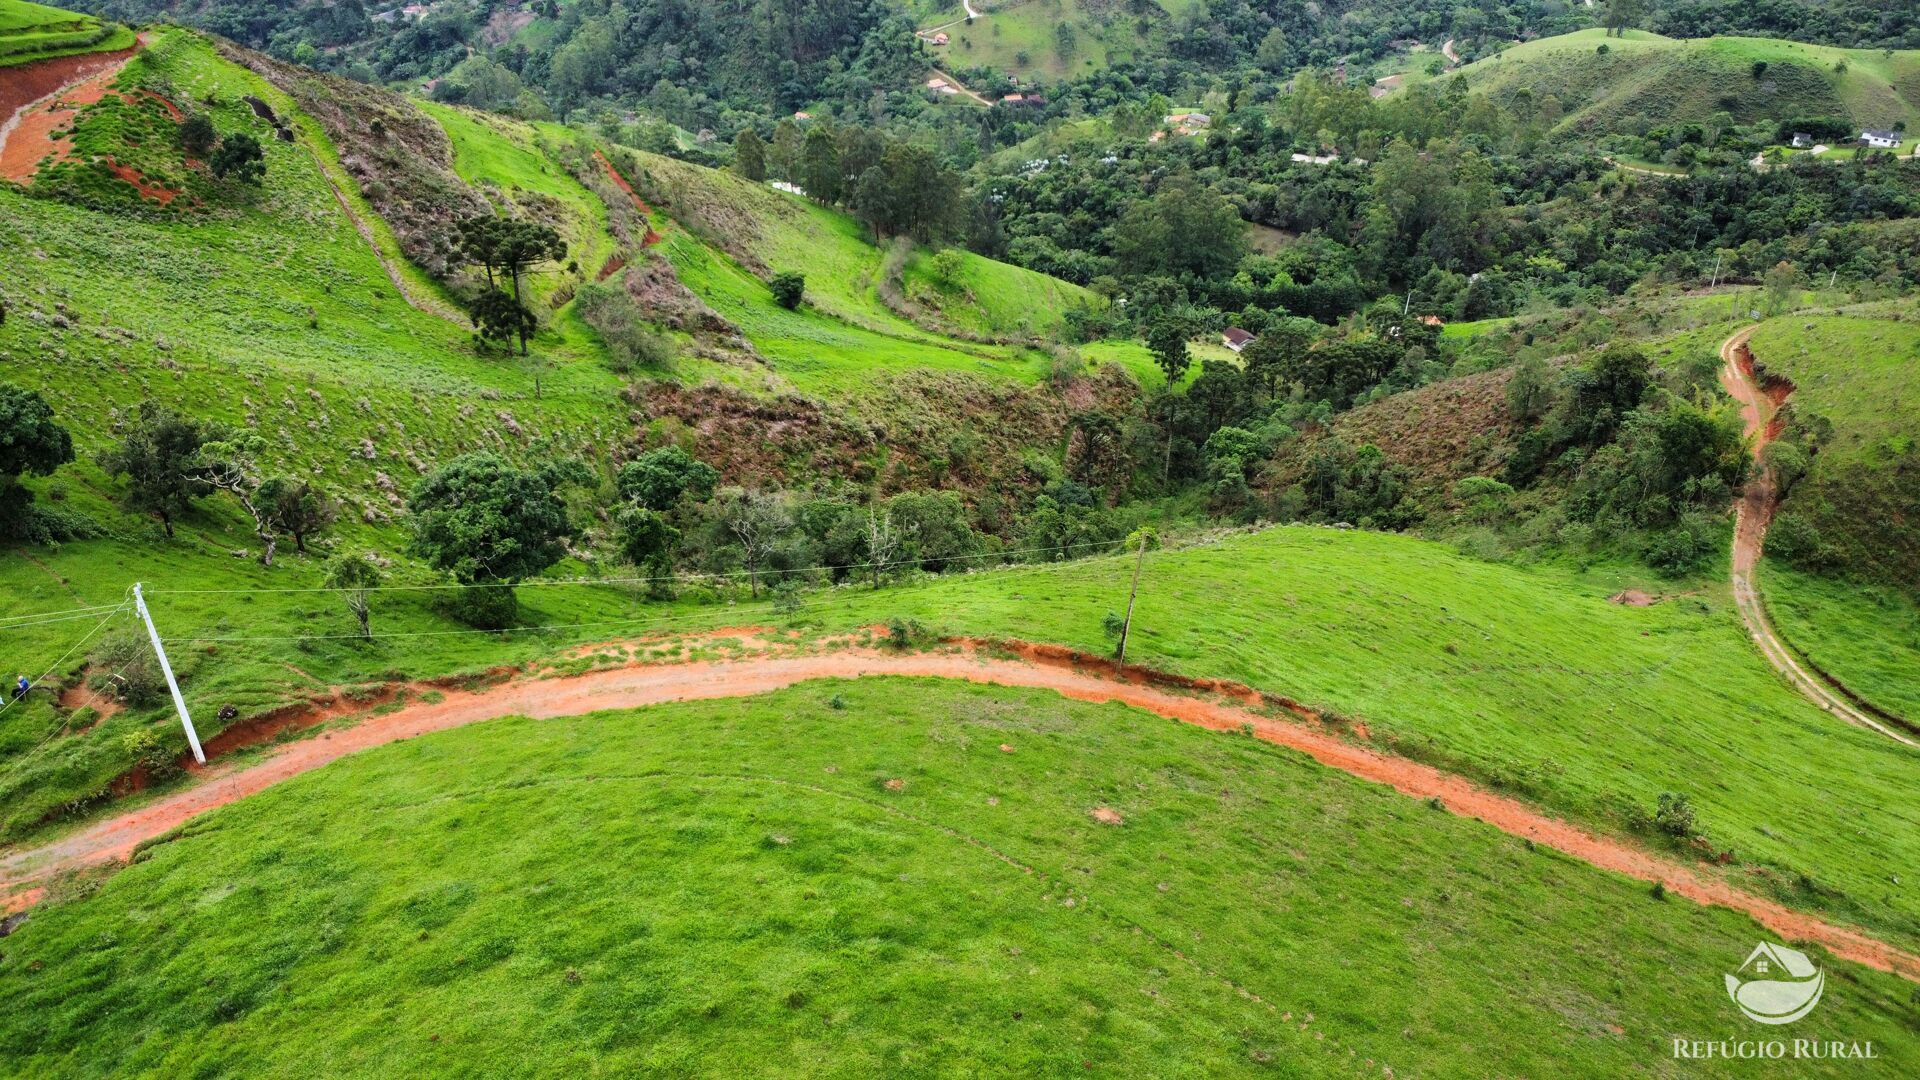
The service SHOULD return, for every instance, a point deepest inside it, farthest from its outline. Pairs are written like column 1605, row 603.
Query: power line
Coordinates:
column 64, row 618
column 55, row 666
column 547, row 583
column 83, row 611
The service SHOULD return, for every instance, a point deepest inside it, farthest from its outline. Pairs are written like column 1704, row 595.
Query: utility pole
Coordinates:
column 1126, row 627
column 1716, row 271
column 179, row 703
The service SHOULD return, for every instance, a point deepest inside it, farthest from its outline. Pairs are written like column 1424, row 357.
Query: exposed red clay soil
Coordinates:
column 614, row 265
column 148, row 189
column 27, row 135
column 639, row 204
column 78, row 696
column 26, row 84
column 30, row 135
column 1632, row 598
column 1760, row 400
column 1051, row 667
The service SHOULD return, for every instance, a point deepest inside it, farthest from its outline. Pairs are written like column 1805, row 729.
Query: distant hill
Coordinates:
column 1668, row 80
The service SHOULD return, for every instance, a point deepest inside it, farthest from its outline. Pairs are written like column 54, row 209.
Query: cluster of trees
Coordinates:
column 1634, row 459
column 491, row 524
column 169, row 461
column 32, row 443
column 237, row 156
column 896, row 188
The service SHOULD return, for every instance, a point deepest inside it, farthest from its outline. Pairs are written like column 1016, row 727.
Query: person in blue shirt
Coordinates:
column 20, row 688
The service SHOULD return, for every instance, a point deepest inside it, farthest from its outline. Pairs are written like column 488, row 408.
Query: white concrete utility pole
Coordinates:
column 179, row 703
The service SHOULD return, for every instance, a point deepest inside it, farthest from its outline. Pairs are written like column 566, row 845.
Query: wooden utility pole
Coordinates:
column 1126, row 626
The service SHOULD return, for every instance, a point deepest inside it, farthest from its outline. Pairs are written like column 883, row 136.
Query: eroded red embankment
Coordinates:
column 639, row 204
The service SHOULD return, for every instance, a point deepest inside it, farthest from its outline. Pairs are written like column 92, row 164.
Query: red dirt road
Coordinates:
column 1759, row 405
column 1044, row 667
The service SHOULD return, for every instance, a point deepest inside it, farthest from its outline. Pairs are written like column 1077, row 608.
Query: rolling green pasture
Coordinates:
column 1525, row 678
column 1021, row 38
column 1867, row 636
column 1672, row 80
column 732, row 888
column 1860, row 376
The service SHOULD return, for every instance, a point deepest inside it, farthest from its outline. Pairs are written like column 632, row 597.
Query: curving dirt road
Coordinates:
column 1220, row 707
column 1759, row 404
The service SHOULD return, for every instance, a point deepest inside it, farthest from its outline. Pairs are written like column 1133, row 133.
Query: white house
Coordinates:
column 1884, row 140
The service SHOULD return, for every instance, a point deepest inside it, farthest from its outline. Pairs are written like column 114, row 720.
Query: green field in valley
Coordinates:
column 733, row 887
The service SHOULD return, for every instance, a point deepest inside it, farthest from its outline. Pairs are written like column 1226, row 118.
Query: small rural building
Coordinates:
column 1802, row 140
column 1884, row 140
column 940, row 38
column 1236, row 339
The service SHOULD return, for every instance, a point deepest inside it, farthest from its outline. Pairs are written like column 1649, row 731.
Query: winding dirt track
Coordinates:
column 1047, row 667
column 1758, row 405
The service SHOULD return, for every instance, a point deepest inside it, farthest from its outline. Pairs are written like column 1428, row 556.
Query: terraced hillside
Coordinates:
column 1643, row 77
column 31, row 32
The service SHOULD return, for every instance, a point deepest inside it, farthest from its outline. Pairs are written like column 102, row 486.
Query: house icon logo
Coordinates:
column 1776, row 985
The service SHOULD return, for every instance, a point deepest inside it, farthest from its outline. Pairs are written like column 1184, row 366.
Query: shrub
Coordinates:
column 1674, row 815
column 788, row 288
column 123, row 665
column 486, row 608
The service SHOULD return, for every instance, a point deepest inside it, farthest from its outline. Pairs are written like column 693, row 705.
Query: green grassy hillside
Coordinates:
column 1023, row 37
column 36, row 32
column 732, row 887
column 1856, row 408
column 1659, row 80
column 1528, row 679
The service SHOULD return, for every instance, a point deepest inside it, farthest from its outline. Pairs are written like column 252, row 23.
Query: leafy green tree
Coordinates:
column 197, row 136
column 1184, row 228
column 240, row 158
column 946, row 265
column 1279, row 349
column 1624, row 15
column 491, row 523
column 1167, row 338
column 234, row 462
column 658, row 479
column 500, row 317
column 31, row 443
column 1780, row 281
column 784, row 158
column 789, row 288
column 750, row 155
column 156, row 456
column 820, row 168
column 298, row 508
column 506, row 249
column 355, row 577
column 648, row 541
